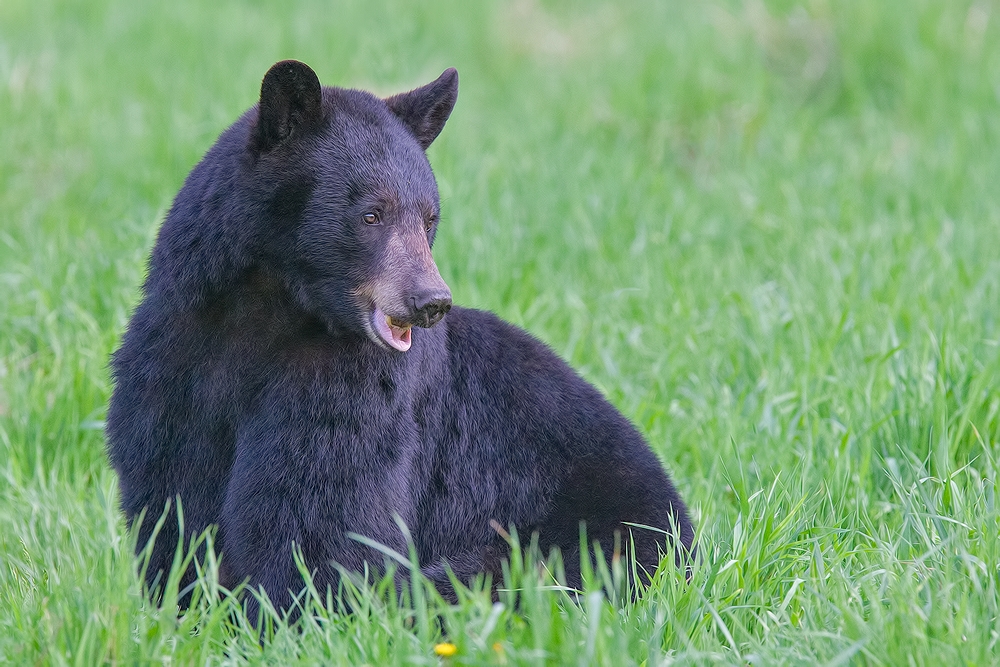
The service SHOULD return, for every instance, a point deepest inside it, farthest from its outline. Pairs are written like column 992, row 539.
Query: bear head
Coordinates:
column 343, row 178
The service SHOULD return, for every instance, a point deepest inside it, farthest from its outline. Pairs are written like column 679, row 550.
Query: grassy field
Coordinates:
column 769, row 232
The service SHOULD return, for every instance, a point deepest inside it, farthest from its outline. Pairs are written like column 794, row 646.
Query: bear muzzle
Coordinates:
column 425, row 308
column 408, row 292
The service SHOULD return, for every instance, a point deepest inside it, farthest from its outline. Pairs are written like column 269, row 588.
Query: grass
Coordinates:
column 769, row 232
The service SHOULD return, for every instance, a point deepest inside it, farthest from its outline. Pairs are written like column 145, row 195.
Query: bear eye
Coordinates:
column 370, row 218
column 430, row 223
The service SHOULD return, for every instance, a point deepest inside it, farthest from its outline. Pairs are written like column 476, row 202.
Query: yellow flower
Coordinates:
column 445, row 650
column 498, row 647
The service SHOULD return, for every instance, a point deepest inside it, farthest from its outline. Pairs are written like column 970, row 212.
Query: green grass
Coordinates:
column 770, row 233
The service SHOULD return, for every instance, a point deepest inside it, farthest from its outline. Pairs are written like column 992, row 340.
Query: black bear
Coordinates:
column 273, row 380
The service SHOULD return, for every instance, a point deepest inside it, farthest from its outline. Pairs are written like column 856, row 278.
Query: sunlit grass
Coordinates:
column 768, row 232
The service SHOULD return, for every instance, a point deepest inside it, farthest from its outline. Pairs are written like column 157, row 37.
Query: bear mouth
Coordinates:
column 394, row 333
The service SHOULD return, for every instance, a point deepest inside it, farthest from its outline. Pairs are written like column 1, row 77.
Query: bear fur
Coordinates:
column 295, row 372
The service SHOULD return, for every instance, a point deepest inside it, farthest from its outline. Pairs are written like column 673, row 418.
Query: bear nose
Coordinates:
column 429, row 306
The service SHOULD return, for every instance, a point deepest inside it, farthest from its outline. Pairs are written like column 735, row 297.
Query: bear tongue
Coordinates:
column 397, row 337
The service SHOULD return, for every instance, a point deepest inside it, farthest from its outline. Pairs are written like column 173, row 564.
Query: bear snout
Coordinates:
column 427, row 307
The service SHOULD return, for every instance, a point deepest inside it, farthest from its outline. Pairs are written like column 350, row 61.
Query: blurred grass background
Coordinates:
column 768, row 231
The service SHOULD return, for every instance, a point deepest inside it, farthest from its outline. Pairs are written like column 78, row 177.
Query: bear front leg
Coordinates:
column 160, row 459
column 260, row 524
column 312, row 485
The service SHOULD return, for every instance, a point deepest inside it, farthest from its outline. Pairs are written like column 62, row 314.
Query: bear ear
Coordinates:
column 290, row 104
column 426, row 109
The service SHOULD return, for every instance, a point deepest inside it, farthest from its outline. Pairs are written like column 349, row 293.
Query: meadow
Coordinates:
column 768, row 231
